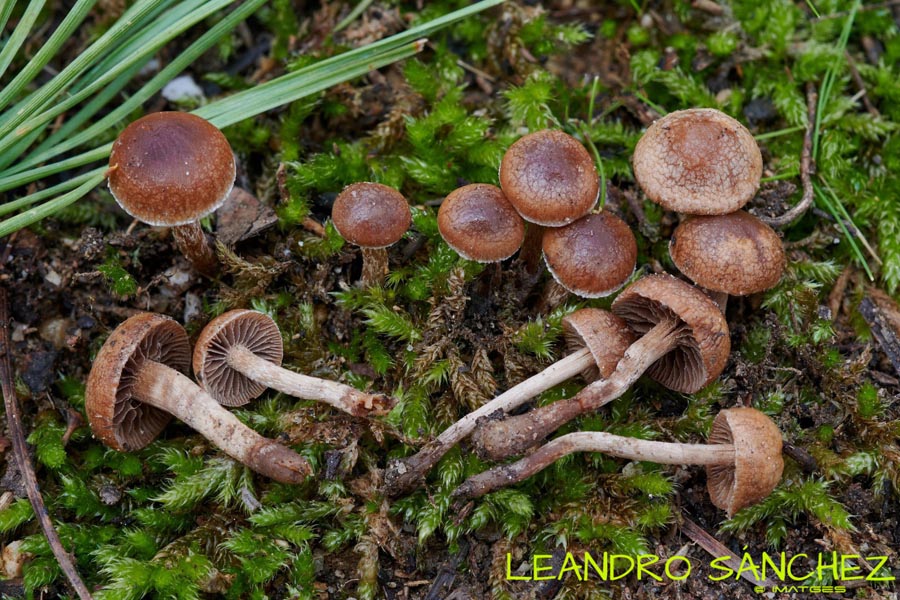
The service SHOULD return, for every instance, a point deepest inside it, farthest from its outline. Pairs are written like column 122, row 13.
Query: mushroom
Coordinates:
column 684, row 345
column 171, row 169
column 743, row 458
column 591, row 257
column 480, row 224
column 698, row 161
column 238, row 355
column 551, row 180
column 734, row 254
column 372, row 216
column 137, row 384
column 596, row 339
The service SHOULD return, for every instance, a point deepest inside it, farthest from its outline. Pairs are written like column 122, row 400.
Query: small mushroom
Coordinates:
column 171, row 169
column 551, row 180
column 596, row 340
column 698, row 161
column 743, row 458
column 372, row 216
column 734, row 254
column 593, row 256
column 480, row 223
column 137, row 384
column 684, row 345
column 238, row 355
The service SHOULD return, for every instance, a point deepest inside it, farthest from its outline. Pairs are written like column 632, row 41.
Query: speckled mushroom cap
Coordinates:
column 735, row 253
column 550, row 178
column 592, row 257
column 371, row 215
column 117, row 418
column 605, row 335
column 170, row 168
column 703, row 348
column 698, row 161
column 480, row 224
column 757, row 459
column 255, row 331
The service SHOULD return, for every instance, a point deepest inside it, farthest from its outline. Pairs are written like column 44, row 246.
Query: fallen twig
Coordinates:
column 717, row 549
column 807, row 165
column 883, row 316
column 20, row 451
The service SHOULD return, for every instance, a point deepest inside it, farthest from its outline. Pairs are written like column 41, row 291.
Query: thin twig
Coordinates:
column 861, row 86
column 807, row 165
column 20, row 451
column 717, row 549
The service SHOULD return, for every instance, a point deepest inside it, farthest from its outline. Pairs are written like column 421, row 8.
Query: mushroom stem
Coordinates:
column 403, row 474
column 530, row 254
column 500, row 439
column 375, row 267
column 614, row 445
column 167, row 389
column 336, row 394
column 196, row 247
column 720, row 298
column 552, row 296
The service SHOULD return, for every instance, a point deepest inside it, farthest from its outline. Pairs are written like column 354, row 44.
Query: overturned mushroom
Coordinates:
column 596, row 340
column 171, row 169
column 743, row 458
column 684, row 345
column 373, row 216
column 137, row 384
column 238, row 355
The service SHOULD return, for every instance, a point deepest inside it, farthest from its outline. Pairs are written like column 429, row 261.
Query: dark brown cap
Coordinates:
column 757, row 459
column 605, row 335
column 592, row 257
column 117, row 419
column 550, row 178
column 371, row 215
column 702, row 350
column 255, row 331
column 480, row 224
column 735, row 253
column 698, row 161
column 170, row 168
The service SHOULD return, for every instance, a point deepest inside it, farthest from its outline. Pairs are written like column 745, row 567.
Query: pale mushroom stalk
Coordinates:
column 597, row 340
column 165, row 388
column 195, row 245
column 374, row 267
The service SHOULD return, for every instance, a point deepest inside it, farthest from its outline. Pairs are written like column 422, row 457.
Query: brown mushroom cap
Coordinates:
column 757, row 459
column 550, row 178
column 604, row 334
column 698, row 161
column 593, row 256
column 371, row 215
column 480, row 224
column 119, row 420
column 255, row 331
column 170, row 168
column 702, row 350
column 735, row 253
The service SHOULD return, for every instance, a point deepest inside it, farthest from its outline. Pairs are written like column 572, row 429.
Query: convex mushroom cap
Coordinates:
column 698, row 161
column 757, row 464
column 550, row 178
column 702, row 349
column 592, row 257
column 605, row 335
column 735, row 253
column 170, row 168
column 480, row 224
column 371, row 215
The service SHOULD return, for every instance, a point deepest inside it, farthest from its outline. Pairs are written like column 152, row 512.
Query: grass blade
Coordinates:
column 33, row 215
column 19, row 33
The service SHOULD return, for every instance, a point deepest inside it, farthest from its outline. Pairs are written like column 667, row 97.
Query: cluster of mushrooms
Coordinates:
column 700, row 163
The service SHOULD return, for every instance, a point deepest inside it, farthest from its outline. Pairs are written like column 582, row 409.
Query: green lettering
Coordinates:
column 645, row 560
column 790, row 568
column 509, row 575
column 612, row 566
column 845, row 568
column 767, row 562
column 569, row 564
column 535, row 575
column 676, row 577
column 878, row 567
column 589, row 560
column 714, row 564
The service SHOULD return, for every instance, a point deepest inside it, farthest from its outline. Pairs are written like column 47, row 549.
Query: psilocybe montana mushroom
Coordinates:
column 171, row 169
column 596, row 340
column 684, row 344
column 698, row 161
column 137, row 384
column 372, row 216
column 743, row 458
column 239, row 353
column 551, row 181
column 480, row 224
